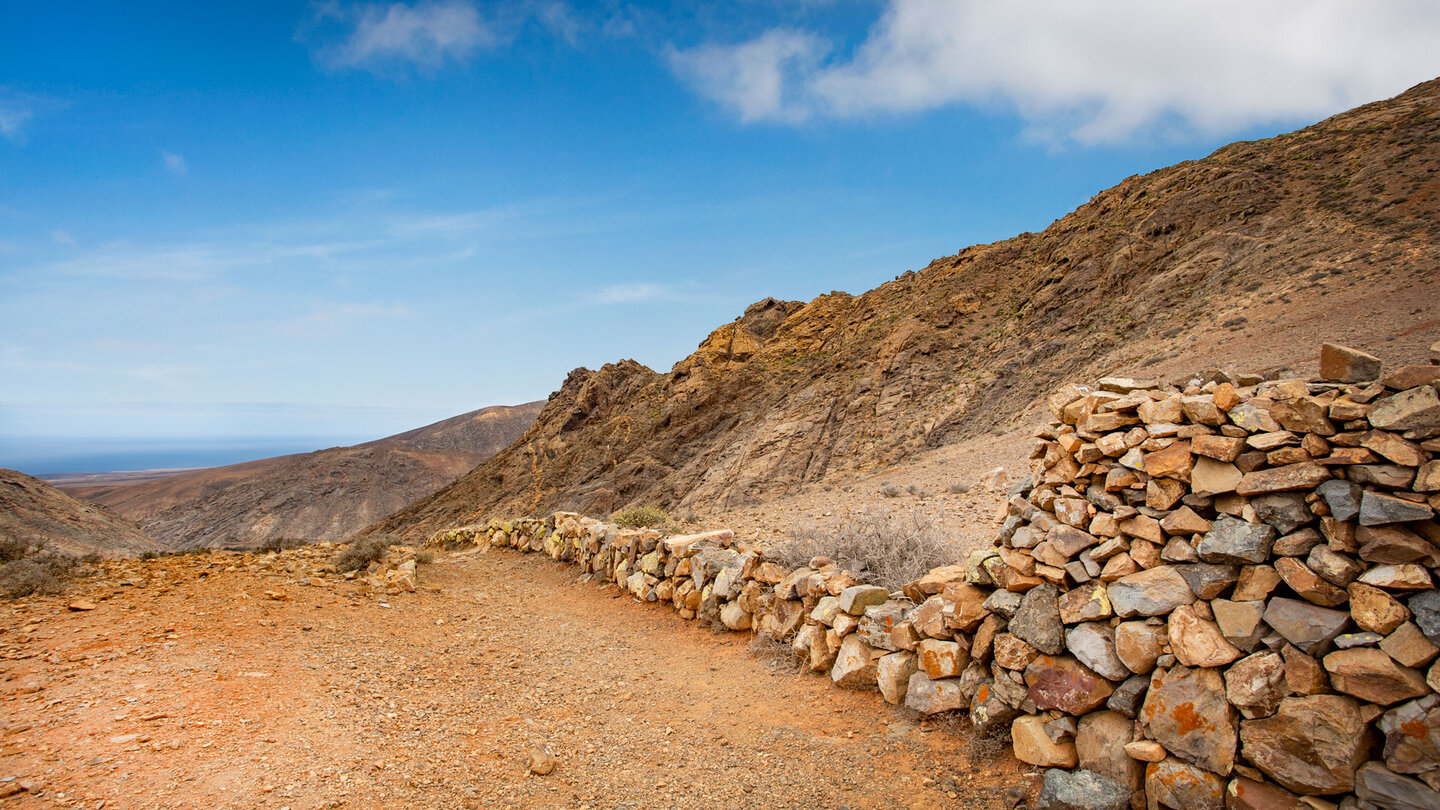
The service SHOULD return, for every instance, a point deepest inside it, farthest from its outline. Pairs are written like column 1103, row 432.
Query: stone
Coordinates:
column 1412, row 736
column 1379, row 786
column 1219, row 448
column 1250, row 794
column 854, row 666
column 877, row 626
column 1390, row 476
column 1173, row 461
column 80, row 605
column 1343, row 498
column 1186, row 711
column 1416, row 408
column 1343, row 364
column 1345, row 641
column 1184, row 521
column 1129, row 696
column 1085, row 602
column 1374, row 610
column 1311, row 745
column 1073, row 511
column 1209, row 581
column 892, row 676
column 1240, row 622
column 1393, row 447
column 1176, row 784
column 1005, row 603
column 1197, row 642
column 1373, row 676
column 1179, row 550
column 1256, row 684
column 933, row 697
column 934, row 582
column 1164, row 493
column 1068, row 541
column 1395, row 544
column 1253, row 419
column 1153, row 592
column 1303, row 674
column 967, row 606
column 1033, row 745
column 989, row 712
column 1138, row 645
column 1286, row 511
column 734, row 617
column 1297, row 544
column 1335, row 568
column 1037, row 622
column 1426, row 607
column 1213, row 477
column 942, row 659
column 1146, row 751
column 1093, row 643
column 1309, row 627
column 1309, row 585
column 1377, row 508
column 1143, row 527
column 541, row 762
column 1255, row 583
column 1065, row 684
column 1404, row 577
column 1305, row 475
column 1428, row 478
column 1081, row 790
column 856, row 598
column 1236, row 542
column 1012, row 652
column 1100, row 740
column 1409, row 647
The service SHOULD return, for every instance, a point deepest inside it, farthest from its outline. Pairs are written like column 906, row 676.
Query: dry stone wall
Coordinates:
column 1212, row 595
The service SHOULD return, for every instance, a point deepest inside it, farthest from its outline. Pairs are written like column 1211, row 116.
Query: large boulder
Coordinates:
column 1152, row 592
column 1311, row 745
column 1186, row 711
column 1037, row 622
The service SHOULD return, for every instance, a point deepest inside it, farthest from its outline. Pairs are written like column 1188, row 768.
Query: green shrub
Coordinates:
column 641, row 517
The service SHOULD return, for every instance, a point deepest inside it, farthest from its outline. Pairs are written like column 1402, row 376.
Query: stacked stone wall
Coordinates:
column 1206, row 595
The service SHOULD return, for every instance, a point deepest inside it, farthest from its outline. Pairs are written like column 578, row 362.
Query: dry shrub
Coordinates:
column 28, row 568
column 641, row 517
column 778, row 655
column 363, row 551
column 281, row 544
column 886, row 547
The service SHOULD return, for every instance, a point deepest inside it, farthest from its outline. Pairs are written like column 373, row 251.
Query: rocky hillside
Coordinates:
column 1248, row 257
column 32, row 510
column 324, row 495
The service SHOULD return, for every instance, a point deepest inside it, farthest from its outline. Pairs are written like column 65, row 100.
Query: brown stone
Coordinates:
column 1163, row 493
column 1374, row 610
column 941, row 659
column 1408, row 646
column 1033, row 745
column 1065, row 684
column 1283, row 479
column 1184, row 521
column 1012, row 652
column 1311, row 745
column 1395, row 544
column 1309, row 585
column 1240, row 622
column 1255, row 583
column 1412, row 736
column 1176, row 784
column 1085, row 603
column 1415, row 408
column 1344, row 364
column 1219, row 448
column 1197, row 642
column 1256, row 684
column 1214, row 477
column 1393, row 447
column 1249, row 794
column 1100, row 742
column 1412, row 377
column 1174, row 461
column 1303, row 674
column 1138, row 644
column 1186, row 711
column 1373, row 676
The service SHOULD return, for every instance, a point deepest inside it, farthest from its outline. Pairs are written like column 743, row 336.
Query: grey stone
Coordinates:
column 878, row 622
column 1417, row 408
column 1425, row 607
column 1286, row 511
column 1081, row 790
column 1037, row 622
column 1093, row 643
column 856, row 598
column 1377, row 509
column 1128, row 696
column 1343, row 498
column 1208, row 581
column 932, row 697
column 1378, row 785
column 1308, row 627
column 1237, row 542
column 1100, row 739
column 1004, row 603
column 1412, row 735
column 1153, row 592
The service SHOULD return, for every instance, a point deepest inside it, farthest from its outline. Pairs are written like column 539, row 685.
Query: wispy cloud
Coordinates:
column 1084, row 71
column 381, row 37
column 337, row 317
column 13, row 118
column 630, row 293
column 174, row 163
column 62, row 237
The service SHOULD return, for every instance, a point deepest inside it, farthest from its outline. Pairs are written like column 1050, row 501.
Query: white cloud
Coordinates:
column 630, row 293
column 13, row 118
column 426, row 34
column 61, row 237
column 337, row 317
column 1091, row 71
column 174, row 163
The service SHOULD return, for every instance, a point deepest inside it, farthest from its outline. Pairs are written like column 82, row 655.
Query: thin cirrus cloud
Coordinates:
column 174, row 163
column 383, row 37
column 1083, row 71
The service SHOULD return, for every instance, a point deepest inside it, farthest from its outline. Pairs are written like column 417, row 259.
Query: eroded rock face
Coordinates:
column 1186, row 711
column 1311, row 745
column 1065, row 684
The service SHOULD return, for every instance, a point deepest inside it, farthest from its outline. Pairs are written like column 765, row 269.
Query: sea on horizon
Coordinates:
column 56, row 456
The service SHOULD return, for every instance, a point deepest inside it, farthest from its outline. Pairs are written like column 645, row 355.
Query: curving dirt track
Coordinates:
column 192, row 686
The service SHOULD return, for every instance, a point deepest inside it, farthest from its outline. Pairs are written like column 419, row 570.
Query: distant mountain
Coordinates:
column 31, row 509
column 1247, row 258
column 324, row 495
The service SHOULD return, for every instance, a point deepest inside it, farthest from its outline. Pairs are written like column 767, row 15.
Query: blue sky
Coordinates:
column 348, row 219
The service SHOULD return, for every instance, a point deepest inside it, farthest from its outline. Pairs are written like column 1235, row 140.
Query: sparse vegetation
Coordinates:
column 919, row 492
column 362, row 552
column 280, row 544
column 29, row 568
column 886, row 547
column 890, row 490
column 778, row 655
column 958, row 488
column 641, row 517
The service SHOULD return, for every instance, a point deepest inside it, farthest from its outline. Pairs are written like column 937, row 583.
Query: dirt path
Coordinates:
column 191, row 687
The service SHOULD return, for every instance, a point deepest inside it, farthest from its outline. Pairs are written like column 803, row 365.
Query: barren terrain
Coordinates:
column 191, row 685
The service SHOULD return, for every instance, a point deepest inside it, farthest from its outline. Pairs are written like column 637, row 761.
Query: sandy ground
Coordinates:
column 192, row 685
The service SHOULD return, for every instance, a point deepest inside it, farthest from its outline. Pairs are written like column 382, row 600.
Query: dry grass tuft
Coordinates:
column 363, row 551
column 886, row 547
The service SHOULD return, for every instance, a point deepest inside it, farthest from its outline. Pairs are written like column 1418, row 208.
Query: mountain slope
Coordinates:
column 324, row 495
column 32, row 510
column 1249, row 257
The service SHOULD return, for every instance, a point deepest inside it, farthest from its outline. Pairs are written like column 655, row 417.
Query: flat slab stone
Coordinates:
column 1152, row 592
column 1308, row 627
column 1236, row 542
